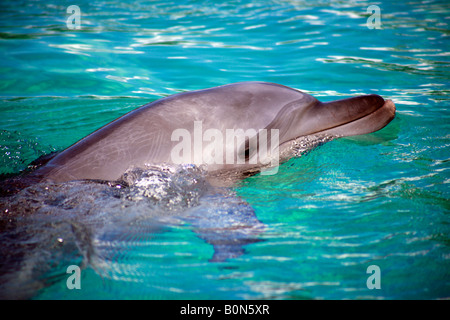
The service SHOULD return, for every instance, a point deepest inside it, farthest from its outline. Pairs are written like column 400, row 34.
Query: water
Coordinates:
column 308, row 232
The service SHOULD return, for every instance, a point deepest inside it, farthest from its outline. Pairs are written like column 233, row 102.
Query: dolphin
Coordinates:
column 158, row 133
column 146, row 135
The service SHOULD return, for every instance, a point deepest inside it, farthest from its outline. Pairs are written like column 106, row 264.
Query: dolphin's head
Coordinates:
column 346, row 117
column 309, row 122
column 354, row 116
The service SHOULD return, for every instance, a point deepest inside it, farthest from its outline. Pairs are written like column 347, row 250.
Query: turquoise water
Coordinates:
column 379, row 199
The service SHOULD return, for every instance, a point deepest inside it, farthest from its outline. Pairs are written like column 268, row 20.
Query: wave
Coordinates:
column 47, row 227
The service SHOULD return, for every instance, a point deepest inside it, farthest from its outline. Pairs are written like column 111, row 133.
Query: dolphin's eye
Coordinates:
column 244, row 151
column 248, row 149
column 247, row 153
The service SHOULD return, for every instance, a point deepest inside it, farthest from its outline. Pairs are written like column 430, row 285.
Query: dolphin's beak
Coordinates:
column 355, row 116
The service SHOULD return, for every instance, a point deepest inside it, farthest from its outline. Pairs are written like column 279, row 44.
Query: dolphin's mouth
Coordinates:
column 377, row 118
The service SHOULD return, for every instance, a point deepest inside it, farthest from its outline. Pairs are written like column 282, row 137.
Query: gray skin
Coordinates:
column 143, row 136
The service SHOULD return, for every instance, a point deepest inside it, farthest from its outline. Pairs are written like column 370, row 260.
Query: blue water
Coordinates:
column 380, row 199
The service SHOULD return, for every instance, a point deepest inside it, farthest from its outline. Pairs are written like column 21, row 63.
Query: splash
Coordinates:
column 47, row 226
column 16, row 149
column 305, row 144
